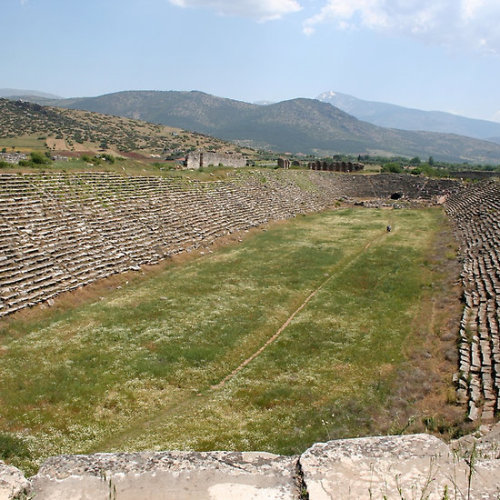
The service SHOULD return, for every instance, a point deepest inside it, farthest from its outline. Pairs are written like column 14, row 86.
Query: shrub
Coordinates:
column 108, row 157
column 38, row 158
column 392, row 167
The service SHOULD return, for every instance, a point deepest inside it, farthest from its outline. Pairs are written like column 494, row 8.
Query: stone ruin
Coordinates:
column 283, row 163
column 387, row 467
column 199, row 159
column 475, row 210
column 335, row 166
column 60, row 231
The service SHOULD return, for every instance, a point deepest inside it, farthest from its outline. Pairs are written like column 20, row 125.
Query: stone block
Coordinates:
column 393, row 467
column 173, row 475
column 13, row 484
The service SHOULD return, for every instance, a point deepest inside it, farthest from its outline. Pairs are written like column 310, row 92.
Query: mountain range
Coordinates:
column 17, row 94
column 393, row 116
column 301, row 125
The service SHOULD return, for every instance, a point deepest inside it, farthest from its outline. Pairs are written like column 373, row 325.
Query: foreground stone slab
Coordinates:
column 168, row 476
column 13, row 484
column 395, row 467
column 485, row 444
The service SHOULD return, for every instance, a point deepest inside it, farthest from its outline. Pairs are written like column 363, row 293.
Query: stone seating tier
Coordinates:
column 59, row 231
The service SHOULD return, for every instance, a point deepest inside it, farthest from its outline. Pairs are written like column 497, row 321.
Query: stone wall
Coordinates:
column 336, row 166
column 475, row 210
column 477, row 175
column 283, row 163
column 61, row 231
column 387, row 467
column 198, row 159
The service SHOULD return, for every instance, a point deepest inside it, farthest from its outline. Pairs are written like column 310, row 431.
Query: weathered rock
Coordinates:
column 13, row 484
column 394, row 467
column 168, row 476
column 486, row 445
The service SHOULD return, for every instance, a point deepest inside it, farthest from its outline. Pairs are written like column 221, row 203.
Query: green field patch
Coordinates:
column 23, row 143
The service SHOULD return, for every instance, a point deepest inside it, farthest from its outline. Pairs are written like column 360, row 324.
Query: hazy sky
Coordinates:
column 427, row 54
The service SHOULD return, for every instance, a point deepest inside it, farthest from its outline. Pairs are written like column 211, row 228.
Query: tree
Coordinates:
column 430, row 161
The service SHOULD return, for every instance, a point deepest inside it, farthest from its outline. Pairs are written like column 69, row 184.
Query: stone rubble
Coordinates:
column 60, row 231
column 475, row 211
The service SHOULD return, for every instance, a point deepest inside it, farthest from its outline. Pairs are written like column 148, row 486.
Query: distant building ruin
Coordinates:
column 283, row 163
column 335, row 166
column 198, row 159
column 13, row 158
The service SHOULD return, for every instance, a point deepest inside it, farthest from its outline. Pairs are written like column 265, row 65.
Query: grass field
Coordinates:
column 141, row 366
column 25, row 144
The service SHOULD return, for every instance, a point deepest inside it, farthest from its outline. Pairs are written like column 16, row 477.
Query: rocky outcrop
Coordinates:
column 387, row 467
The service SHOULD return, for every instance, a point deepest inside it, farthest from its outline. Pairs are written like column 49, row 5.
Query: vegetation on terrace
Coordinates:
column 133, row 363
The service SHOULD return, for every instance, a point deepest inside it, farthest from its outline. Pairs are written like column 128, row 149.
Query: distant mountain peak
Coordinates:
column 403, row 118
column 326, row 95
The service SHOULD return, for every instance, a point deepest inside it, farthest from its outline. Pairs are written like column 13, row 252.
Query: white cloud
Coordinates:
column 455, row 23
column 262, row 10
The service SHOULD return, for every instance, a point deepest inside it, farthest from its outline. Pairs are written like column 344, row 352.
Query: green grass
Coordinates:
column 23, row 143
column 136, row 369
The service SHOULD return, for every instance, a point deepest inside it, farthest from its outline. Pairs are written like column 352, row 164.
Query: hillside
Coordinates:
column 391, row 115
column 15, row 93
column 297, row 126
column 74, row 130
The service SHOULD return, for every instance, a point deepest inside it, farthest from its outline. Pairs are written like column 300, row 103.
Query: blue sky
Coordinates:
column 427, row 54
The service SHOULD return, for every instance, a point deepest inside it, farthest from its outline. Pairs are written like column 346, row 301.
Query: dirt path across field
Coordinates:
column 343, row 264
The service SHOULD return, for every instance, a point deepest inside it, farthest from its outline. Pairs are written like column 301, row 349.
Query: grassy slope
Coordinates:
column 25, row 126
column 135, row 369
